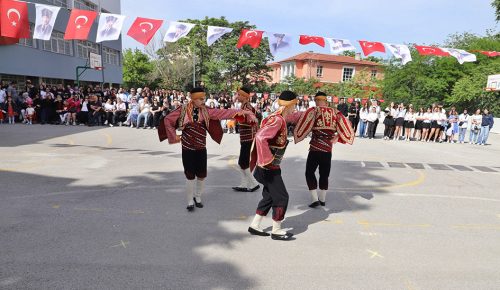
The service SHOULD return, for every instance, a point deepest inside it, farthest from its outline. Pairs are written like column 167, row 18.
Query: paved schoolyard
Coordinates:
column 103, row 208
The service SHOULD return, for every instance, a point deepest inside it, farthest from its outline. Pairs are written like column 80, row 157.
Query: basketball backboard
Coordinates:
column 95, row 60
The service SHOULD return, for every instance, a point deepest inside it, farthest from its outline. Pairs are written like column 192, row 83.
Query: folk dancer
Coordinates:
column 268, row 150
column 195, row 119
column 328, row 126
column 247, row 136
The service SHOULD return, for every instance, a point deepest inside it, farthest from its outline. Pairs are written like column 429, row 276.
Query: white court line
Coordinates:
column 444, row 196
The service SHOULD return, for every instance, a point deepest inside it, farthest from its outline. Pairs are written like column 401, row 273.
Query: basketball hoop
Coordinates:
column 98, row 68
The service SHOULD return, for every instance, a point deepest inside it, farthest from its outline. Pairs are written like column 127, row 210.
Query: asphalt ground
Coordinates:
column 104, row 208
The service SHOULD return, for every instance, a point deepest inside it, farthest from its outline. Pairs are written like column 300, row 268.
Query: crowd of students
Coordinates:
column 432, row 124
column 143, row 108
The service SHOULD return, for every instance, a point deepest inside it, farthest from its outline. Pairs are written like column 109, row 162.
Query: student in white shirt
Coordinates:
column 372, row 117
column 435, row 125
column 475, row 126
column 400, row 120
column 109, row 109
column 463, row 123
column 409, row 123
column 363, row 117
column 426, row 124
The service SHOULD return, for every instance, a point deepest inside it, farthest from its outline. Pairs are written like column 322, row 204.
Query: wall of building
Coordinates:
column 36, row 62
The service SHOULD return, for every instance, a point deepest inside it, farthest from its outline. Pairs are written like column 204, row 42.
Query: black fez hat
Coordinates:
column 197, row 90
column 245, row 89
column 287, row 96
column 320, row 94
column 46, row 12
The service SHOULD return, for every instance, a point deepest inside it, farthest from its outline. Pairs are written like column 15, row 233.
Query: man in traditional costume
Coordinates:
column 269, row 147
column 195, row 119
column 247, row 136
column 328, row 126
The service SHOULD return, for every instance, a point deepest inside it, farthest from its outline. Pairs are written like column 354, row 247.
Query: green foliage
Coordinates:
column 496, row 5
column 222, row 66
column 427, row 80
column 136, row 68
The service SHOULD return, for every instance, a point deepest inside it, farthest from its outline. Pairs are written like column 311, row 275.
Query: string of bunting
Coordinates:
column 14, row 25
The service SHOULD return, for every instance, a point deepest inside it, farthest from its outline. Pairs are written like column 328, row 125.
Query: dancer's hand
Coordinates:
column 177, row 139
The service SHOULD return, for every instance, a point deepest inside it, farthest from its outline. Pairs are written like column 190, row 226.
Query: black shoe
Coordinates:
column 190, row 207
column 314, row 204
column 286, row 237
column 254, row 189
column 257, row 233
column 322, row 203
column 241, row 189
column 198, row 204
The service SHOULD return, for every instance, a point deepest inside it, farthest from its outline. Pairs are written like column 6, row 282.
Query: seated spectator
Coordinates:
column 145, row 112
column 94, row 111
column 73, row 105
column 120, row 114
column 109, row 111
column 133, row 112
column 83, row 115
column 156, row 112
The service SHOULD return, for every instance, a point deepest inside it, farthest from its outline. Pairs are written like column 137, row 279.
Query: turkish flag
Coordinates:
column 490, row 53
column 370, row 47
column 335, row 100
column 364, row 101
column 14, row 19
column 431, row 50
column 143, row 29
column 79, row 24
column 350, row 100
column 306, row 39
column 250, row 37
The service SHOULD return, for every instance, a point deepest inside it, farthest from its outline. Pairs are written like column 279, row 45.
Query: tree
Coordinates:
column 496, row 5
column 221, row 66
column 136, row 68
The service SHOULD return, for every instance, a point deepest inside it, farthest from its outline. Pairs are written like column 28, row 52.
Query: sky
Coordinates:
column 423, row 22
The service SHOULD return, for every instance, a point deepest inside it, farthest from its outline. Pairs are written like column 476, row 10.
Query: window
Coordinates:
column 58, row 44
column 319, row 71
column 85, row 5
column 111, row 56
column 83, row 48
column 347, row 73
column 30, row 42
column 52, row 82
column 374, row 74
column 60, row 3
column 287, row 69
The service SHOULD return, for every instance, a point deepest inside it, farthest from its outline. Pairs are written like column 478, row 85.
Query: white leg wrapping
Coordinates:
column 257, row 219
column 244, row 180
column 189, row 191
column 314, row 195
column 200, row 188
column 251, row 182
column 322, row 195
column 277, row 228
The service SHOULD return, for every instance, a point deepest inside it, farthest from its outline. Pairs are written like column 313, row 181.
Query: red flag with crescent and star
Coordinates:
column 79, row 24
column 14, row 19
column 143, row 29
column 370, row 47
column 250, row 37
column 490, row 53
column 431, row 50
column 306, row 39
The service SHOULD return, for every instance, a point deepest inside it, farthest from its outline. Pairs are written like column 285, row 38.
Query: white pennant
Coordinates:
column 215, row 32
column 177, row 30
column 279, row 42
column 45, row 19
column 110, row 27
column 339, row 45
column 461, row 55
column 400, row 51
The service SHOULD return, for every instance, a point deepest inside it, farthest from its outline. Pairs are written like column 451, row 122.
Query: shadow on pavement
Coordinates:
column 135, row 233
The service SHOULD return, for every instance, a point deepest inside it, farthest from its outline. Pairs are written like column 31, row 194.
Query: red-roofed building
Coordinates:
column 325, row 67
